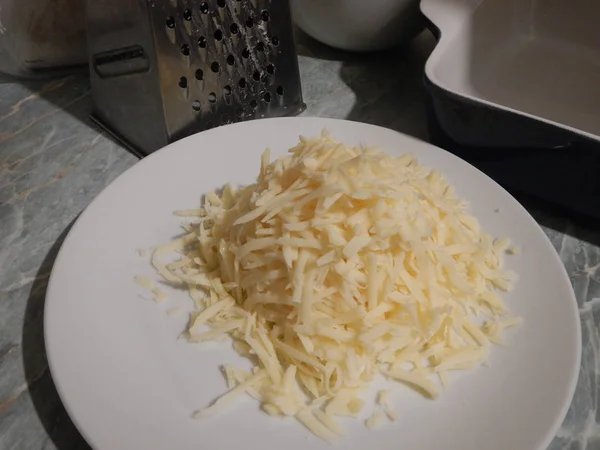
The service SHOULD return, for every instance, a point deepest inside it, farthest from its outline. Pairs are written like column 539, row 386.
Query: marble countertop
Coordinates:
column 54, row 161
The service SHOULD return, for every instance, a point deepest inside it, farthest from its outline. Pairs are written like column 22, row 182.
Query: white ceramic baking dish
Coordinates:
column 537, row 58
column 514, row 87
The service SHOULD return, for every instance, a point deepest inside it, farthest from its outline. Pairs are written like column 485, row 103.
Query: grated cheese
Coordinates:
column 308, row 419
column 230, row 396
column 339, row 264
column 175, row 310
column 390, row 413
column 375, row 421
column 146, row 283
column 383, row 398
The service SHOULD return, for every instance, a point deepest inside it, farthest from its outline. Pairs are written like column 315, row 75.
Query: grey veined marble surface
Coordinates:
column 53, row 162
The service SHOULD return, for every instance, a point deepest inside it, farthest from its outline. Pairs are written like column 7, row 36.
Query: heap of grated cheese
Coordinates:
column 339, row 264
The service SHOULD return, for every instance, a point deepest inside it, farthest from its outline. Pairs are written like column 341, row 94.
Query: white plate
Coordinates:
column 129, row 383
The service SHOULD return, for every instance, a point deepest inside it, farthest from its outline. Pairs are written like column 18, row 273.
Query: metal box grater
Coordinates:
column 161, row 70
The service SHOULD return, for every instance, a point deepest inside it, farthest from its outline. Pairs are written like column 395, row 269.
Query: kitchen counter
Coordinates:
column 54, row 161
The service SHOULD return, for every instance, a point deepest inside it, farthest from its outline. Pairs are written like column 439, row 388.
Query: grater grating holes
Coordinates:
column 183, row 82
column 223, row 37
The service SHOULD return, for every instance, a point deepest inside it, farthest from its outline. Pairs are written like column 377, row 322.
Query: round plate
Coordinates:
column 128, row 382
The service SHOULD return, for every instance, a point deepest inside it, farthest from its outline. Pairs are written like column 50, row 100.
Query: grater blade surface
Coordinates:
column 223, row 61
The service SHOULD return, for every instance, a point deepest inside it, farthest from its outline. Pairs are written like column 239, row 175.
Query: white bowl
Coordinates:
column 358, row 25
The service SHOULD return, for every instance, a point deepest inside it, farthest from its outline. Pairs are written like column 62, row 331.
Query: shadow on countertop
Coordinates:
column 382, row 81
column 44, row 396
column 67, row 93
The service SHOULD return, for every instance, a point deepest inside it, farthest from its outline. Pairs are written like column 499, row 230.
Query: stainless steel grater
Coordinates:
column 161, row 70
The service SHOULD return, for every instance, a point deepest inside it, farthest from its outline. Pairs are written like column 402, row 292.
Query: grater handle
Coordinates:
column 122, row 61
